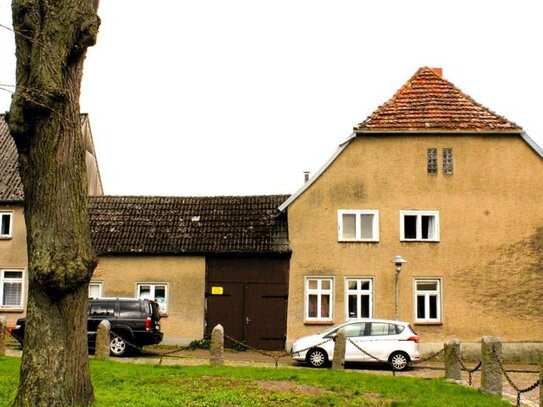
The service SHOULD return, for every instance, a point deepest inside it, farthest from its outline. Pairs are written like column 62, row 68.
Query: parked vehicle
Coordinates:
column 385, row 341
column 134, row 323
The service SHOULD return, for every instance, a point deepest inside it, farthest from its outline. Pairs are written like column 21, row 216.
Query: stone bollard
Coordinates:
column 102, row 340
column 491, row 373
column 338, row 362
column 453, row 369
column 216, row 351
column 3, row 328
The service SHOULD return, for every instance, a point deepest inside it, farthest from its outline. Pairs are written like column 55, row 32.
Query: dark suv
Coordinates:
column 134, row 323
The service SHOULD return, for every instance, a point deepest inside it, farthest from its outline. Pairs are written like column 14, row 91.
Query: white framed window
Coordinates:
column 319, row 298
column 358, row 225
column 154, row 291
column 428, row 300
column 11, row 289
column 95, row 289
column 358, row 298
column 419, row 226
column 6, row 225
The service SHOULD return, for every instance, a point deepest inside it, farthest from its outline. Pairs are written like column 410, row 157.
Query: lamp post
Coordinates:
column 398, row 262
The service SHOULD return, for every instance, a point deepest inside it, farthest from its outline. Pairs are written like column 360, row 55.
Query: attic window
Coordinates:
column 431, row 156
column 447, row 161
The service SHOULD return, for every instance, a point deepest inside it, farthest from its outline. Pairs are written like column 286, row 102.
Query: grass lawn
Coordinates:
column 126, row 384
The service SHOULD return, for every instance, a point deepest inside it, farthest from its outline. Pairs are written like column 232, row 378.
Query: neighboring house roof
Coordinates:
column 188, row 225
column 11, row 188
column 428, row 102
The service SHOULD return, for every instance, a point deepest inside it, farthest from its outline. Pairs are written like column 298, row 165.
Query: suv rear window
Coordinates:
column 129, row 309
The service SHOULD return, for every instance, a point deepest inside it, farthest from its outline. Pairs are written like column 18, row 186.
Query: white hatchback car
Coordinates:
column 368, row 340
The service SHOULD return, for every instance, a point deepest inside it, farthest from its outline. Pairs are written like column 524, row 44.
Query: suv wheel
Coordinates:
column 117, row 346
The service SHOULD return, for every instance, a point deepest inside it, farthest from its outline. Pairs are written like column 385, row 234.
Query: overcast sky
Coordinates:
column 215, row 97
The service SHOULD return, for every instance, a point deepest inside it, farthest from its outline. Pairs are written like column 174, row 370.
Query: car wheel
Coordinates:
column 399, row 361
column 117, row 346
column 317, row 357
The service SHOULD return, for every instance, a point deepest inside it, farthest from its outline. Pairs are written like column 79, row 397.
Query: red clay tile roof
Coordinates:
column 427, row 102
column 188, row 225
column 11, row 188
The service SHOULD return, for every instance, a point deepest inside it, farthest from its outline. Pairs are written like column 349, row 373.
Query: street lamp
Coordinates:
column 398, row 262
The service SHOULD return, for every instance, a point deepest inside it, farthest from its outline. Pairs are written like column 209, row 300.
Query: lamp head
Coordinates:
column 398, row 261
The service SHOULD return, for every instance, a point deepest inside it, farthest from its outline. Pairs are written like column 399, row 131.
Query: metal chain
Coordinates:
column 432, row 356
column 373, row 356
column 510, row 381
column 276, row 357
column 464, row 367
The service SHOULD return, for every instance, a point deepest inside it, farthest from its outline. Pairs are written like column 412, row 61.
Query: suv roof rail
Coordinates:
column 118, row 298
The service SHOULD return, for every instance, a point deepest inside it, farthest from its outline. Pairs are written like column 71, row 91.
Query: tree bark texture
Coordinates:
column 51, row 38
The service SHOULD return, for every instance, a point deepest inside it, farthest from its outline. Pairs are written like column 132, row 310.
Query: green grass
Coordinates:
column 125, row 384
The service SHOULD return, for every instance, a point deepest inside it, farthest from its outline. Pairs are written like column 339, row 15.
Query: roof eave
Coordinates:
column 311, row 180
column 436, row 131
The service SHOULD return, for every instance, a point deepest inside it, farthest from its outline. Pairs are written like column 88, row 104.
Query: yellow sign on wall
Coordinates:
column 217, row 290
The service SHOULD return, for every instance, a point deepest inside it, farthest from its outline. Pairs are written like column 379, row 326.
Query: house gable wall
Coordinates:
column 490, row 250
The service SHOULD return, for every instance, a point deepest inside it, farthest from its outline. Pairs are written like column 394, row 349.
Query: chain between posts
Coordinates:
column 464, row 367
column 513, row 385
column 276, row 357
column 432, row 356
column 373, row 356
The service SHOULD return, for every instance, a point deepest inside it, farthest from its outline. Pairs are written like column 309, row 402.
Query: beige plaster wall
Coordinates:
column 185, row 277
column 490, row 253
column 13, row 255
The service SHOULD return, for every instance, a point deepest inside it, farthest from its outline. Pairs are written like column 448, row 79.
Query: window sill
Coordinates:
column 428, row 323
column 357, row 241
column 11, row 310
column 310, row 322
column 418, row 241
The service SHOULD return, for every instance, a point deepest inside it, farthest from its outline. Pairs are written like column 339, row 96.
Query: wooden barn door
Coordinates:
column 248, row 297
column 265, row 316
column 252, row 313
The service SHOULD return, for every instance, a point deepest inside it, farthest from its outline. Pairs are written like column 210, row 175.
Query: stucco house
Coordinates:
column 431, row 176
column 448, row 185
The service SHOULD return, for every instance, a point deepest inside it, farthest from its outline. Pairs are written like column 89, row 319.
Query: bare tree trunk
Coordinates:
column 51, row 42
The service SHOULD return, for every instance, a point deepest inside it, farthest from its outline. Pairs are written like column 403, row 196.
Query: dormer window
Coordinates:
column 5, row 224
